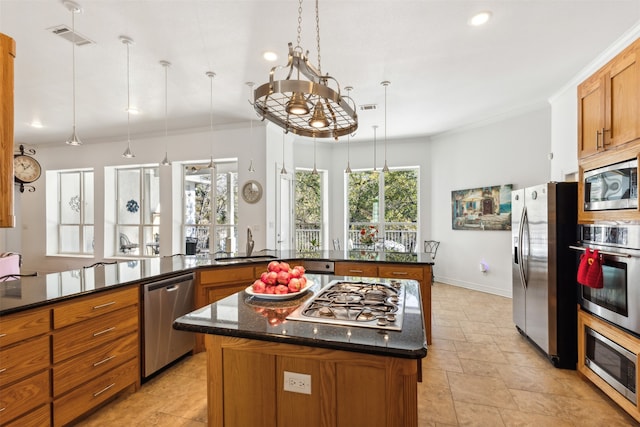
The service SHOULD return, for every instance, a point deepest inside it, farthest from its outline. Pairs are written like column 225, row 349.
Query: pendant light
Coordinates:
column 283, row 171
column 375, row 128
column 385, row 84
column 211, row 75
column 250, row 85
column 314, row 171
column 73, row 8
column 128, row 154
column 348, row 169
column 165, row 65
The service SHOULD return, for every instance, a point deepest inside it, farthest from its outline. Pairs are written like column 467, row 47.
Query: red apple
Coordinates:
column 300, row 269
column 274, row 266
column 303, row 281
column 259, row 286
column 281, row 289
column 295, row 272
column 270, row 289
column 284, row 266
column 271, row 278
column 284, row 277
column 294, row 285
column 263, row 276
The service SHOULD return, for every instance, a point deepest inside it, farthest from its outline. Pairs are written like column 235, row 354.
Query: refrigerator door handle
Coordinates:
column 523, row 254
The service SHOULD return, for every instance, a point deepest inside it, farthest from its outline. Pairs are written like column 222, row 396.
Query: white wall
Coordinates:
column 512, row 151
column 229, row 142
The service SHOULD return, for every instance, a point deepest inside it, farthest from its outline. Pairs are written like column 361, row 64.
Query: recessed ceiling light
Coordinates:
column 270, row 56
column 480, row 18
column 132, row 110
column 36, row 124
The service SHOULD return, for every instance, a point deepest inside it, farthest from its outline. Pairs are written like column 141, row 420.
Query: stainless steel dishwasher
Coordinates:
column 165, row 301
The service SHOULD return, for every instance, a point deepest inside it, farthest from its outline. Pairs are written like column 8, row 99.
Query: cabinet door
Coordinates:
column 590, row 116
column 622, row 102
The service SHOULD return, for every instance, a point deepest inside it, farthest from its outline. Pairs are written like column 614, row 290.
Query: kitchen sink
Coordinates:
column 250, row 258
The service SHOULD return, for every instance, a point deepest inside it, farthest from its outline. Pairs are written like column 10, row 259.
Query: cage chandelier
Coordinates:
column 304, row 102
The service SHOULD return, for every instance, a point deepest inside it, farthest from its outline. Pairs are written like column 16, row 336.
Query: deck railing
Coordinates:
column 398, row 237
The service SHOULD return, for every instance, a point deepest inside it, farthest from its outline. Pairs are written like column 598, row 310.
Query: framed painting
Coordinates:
column 482, row 208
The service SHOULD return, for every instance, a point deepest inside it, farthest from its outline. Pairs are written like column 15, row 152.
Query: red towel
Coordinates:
column 594, row 274
column 583, row 267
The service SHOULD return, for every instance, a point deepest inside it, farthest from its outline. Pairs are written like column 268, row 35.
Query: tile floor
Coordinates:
column 479, row 372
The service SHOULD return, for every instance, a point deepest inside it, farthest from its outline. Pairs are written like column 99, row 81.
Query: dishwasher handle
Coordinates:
column 166, row 283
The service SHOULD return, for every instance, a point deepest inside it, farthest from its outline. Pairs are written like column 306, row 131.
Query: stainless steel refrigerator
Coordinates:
column 543, row 225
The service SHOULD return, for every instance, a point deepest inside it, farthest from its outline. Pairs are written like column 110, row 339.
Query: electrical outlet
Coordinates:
column 297, row 383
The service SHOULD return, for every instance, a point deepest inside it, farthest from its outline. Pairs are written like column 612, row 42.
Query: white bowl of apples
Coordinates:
column 280, row 281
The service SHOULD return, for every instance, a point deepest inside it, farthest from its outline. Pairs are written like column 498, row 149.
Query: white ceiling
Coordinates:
column 444, row 74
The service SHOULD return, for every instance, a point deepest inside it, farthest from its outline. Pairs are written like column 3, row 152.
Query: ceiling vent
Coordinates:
column 66, row 33
column 368, row 107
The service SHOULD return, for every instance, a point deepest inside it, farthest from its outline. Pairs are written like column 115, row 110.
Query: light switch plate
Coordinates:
column 297, row 383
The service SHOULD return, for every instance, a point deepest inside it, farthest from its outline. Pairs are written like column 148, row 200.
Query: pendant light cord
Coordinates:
column 73, row 68
column 166, row 102
column 128, row 100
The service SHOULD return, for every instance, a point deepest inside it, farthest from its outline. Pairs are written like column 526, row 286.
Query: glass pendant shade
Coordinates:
column 128, row 154
column 74, row 139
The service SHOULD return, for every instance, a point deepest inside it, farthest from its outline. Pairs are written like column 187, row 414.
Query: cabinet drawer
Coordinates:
column 75, row 371
column 40, row 417
column 24, row 359
column 356, row 269
column 226, row 275
column 21, row 326
column 400, row 271
column 24, row 395
column 93, row 393
column 93, row 306
column 81, row 337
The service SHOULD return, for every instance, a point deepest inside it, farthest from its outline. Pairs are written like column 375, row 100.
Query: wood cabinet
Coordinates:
column 357, row 269
column 25, row 361
column 95, row 351
column 346, row 389
column 619, row 337
column 7, row 56
column 609, row 105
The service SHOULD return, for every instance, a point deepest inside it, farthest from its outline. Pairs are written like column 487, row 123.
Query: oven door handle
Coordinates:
column 619, row 254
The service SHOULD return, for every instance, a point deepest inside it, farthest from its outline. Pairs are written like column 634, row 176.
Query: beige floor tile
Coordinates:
column 481, row 390
column 513, row 418
column 443, row 360
column 472, row 415
column 436, row 405
column 448, row 333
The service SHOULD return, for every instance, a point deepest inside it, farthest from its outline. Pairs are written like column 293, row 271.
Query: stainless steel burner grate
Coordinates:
column 373, row 305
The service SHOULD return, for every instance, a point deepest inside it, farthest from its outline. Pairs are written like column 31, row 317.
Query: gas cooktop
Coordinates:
column 365, row 304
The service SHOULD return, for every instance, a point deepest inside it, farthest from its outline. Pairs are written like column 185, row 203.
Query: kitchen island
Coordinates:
column 266, row 369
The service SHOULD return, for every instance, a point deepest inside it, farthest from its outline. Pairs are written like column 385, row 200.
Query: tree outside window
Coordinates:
column 383, row 206
column 308, row 210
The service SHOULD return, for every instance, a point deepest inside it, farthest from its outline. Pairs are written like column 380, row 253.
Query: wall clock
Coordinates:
column 251, row 191
column 26, row 169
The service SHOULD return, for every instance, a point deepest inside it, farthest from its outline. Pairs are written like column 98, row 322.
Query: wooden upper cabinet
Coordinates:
column 609, row 104
column 7, row 55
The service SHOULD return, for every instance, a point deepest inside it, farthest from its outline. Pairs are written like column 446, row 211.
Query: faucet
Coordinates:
column 250, row 241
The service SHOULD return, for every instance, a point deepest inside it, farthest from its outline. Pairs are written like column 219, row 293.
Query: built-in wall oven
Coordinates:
column 607, row 353
column 618, row 301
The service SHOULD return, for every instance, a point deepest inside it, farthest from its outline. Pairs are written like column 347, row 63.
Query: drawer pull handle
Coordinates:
column 3, row 335
column 96, row 307
column 95, row 334
column 103, row 361
column 2, row 409
column 355, row 271
column 2, row 370
column 399, row 273
column 98, row 393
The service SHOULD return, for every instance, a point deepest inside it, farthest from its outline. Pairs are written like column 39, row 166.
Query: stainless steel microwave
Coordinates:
column 612, row 187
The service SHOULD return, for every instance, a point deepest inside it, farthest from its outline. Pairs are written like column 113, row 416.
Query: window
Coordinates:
column 308, row 210
column 75, row 212
column 211, row 211
column 138, row 211
column 385, row 206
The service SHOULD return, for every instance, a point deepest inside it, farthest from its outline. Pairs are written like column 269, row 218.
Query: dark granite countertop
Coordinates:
column 245, row 316
column 31, row 292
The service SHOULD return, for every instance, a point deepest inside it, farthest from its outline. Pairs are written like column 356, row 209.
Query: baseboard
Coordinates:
column 474, row 286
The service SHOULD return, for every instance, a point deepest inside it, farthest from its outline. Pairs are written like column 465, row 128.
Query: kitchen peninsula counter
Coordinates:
column 41, row 290
column 350, row 375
